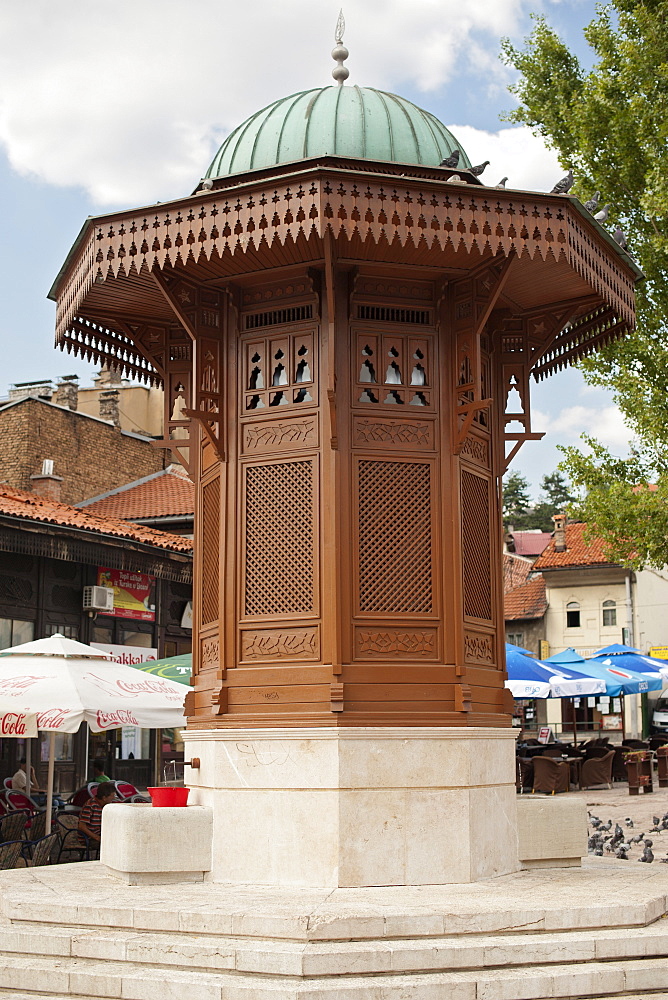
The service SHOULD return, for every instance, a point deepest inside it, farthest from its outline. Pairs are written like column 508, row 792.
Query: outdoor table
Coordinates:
column 662, row 763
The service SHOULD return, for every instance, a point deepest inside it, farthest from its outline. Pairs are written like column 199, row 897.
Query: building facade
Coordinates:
column 49, row 552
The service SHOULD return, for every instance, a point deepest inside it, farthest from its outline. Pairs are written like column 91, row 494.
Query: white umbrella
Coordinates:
column 62, row 683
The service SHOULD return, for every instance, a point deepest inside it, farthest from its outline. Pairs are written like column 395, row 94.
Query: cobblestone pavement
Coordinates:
column 616, row 804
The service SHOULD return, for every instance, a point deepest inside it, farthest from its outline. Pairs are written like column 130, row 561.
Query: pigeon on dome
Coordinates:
column 619, row 237
column 593, row 202
column 564, row 185
column 502, row 182
column 477, row 171
column 452, row 160
column 602, row 216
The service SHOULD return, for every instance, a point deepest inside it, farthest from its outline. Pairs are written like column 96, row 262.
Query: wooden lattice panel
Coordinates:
column 395, row 538
column 476, row 561
column 210, row 550
column 280, row 535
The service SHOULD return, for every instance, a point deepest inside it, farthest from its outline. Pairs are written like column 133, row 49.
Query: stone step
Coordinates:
column 279, row 957
column 88, row 978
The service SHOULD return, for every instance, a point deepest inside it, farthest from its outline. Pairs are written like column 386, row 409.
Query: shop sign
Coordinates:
column 130, row 655
column 134, row 593
column 659, row 652
column 545, row 734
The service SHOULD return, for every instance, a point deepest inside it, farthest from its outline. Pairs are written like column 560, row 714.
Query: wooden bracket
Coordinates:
column 336, row 697
column 205, row 419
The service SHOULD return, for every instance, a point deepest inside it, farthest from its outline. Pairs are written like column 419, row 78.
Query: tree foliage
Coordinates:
column 610, row 125
column 520, row 511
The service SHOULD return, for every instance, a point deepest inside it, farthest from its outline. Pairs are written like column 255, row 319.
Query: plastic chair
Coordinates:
column 598, row 771
column 12, row 826
column 7, row 783
column 92, row 787
column 79, row 798
column 550, row 775
column 11, row 854
column 37, row 853
column 17, row 800
column 128, row 793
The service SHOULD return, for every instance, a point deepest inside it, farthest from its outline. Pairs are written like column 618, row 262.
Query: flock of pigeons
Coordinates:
column 619, row 843
column 561, row 187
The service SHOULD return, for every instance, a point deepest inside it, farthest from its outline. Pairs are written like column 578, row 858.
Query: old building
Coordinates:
column 50, row 552
column 164, row 500
column 525, row 603
column 89, row 455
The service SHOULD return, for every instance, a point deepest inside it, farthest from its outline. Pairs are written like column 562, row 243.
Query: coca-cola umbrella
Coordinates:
column 60, row 683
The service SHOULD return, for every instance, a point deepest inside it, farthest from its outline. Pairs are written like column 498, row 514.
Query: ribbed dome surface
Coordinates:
column 341, row 121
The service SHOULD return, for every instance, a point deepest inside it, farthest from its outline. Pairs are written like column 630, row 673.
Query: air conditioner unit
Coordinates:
column 98, row 599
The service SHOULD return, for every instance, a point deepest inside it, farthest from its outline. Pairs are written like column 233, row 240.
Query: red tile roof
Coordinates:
column 527, row 601
column 531, row 543
column 578, row 551
column 165, row 494
column 31, row 507
column 515, row 571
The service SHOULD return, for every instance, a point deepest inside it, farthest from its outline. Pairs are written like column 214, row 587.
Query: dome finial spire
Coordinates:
column 340, row 52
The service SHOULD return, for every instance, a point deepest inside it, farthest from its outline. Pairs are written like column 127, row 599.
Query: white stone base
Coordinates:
column 143, row 845
column 593, row 932
column 551, row 831
column 357, row 807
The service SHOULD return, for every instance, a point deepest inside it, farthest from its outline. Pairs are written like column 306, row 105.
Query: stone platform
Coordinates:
column 597, row 932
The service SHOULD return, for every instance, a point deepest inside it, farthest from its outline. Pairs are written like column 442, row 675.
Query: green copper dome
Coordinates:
column 340, row 121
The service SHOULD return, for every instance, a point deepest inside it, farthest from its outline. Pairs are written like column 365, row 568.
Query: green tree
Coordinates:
column 516, row 499
column 610, row 125
column 555, row 496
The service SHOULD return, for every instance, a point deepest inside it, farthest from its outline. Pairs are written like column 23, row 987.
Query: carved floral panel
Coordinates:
column 396, row 643
column 280, row 644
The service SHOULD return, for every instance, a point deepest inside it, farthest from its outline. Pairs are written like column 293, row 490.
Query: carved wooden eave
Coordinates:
column 274, row 220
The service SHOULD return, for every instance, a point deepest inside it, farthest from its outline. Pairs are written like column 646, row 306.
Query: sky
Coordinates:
column 108, row 106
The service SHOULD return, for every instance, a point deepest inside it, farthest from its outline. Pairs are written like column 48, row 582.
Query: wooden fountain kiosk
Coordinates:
column 345, row 332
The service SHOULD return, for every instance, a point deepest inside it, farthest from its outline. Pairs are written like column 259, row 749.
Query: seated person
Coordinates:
column 98, row 771
column 37, row 794
column 90, row 817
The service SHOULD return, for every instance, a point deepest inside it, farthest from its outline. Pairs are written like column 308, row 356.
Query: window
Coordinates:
column 69, row 631
column 517, row 638
column 573, row 615
column 13, row 632
column 609, row 613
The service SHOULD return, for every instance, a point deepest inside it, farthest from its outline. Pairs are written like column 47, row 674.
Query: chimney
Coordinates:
column 67, row 392
column 45, row 484
column 560, row 521
column 109, row 406
column 109, row 376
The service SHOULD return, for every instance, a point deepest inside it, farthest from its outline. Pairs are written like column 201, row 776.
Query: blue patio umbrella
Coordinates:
column 620, row 680
column 567, row 656
column 530, row 678
column 631, row 659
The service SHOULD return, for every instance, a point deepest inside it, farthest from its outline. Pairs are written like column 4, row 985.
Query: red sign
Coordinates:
column 134, row 593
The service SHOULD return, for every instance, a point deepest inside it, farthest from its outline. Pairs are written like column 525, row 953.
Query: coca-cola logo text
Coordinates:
column 53, row 718
column 122, row 717
column 130, row 689
column 14, row 686
column 13, row 724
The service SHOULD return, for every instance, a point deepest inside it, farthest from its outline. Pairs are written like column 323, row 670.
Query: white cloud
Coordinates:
column 514, row 153
column 605, row 423
column 130, row 100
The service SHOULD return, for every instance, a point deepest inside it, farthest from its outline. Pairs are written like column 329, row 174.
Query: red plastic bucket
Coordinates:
column 169, row 796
